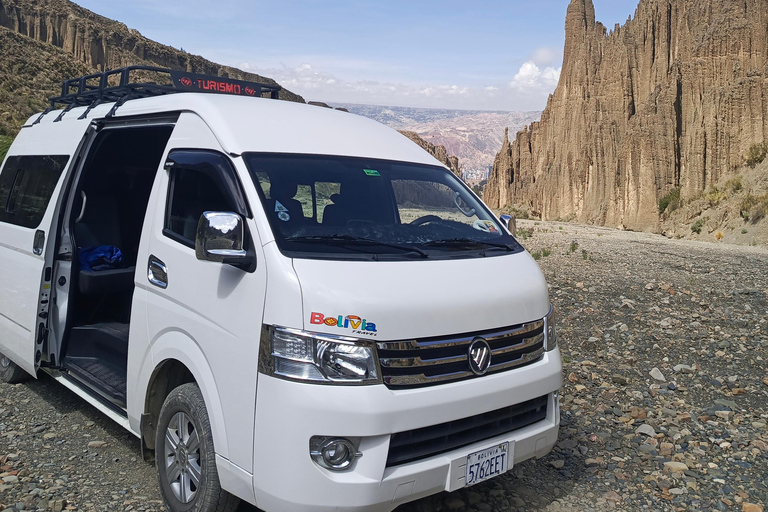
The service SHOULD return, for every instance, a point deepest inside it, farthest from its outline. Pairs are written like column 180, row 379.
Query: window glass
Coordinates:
column 325, row 191
column 304, row 196
column 417, row 199
column 310, row 198
column 26, row 186
column 372, row 209
column 197, row 185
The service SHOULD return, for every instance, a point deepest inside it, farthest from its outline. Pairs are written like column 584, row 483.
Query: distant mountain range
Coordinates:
column 474, row 136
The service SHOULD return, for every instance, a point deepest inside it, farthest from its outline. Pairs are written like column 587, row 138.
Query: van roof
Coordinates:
column 242, row 124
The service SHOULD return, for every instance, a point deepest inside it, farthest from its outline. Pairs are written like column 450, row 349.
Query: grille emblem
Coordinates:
column 479, row 356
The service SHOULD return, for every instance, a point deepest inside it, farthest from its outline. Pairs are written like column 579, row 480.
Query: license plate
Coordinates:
column 487, row 463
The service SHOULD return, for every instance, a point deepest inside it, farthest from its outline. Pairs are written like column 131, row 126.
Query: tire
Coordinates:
column 185, row 458
column 10, row 372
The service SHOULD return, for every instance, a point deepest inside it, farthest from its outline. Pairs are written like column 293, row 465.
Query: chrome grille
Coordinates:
column 429, row 361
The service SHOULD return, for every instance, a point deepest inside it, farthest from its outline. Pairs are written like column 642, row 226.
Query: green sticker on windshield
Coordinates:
column 371, row 172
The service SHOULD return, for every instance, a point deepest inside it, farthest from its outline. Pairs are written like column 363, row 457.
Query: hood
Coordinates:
column 416, row 299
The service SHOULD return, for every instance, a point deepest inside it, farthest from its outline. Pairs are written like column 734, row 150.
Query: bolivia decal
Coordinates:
column 353, row 322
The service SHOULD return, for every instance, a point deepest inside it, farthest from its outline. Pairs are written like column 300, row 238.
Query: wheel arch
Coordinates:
column 177, row 364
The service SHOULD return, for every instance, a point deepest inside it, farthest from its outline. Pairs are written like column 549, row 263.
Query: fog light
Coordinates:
column 334, row 453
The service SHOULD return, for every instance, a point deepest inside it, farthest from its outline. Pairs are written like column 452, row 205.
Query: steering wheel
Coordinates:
column 425, row 219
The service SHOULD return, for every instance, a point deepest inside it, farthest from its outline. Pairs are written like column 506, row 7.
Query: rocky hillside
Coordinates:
column 101, row 43
column 439, row 152
column 43, row 42
column 30, row 72
column 671, row 101
column 734, row 210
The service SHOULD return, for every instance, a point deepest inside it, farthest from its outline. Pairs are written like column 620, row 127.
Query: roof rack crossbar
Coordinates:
column 115, row 85
column 93, row 105
column 42, row 115
column 61, row 115
column 119, row 103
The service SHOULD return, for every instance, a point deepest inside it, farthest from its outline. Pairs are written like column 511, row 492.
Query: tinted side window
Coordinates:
column 200, row 181
column 26, row 186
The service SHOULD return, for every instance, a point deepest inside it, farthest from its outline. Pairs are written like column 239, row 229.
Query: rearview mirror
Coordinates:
column 510, row 223
column 220, row 237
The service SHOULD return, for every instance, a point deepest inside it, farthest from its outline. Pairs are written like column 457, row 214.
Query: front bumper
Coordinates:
column 289, row 413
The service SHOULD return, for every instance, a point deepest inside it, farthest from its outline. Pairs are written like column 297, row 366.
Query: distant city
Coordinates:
column 476, row 176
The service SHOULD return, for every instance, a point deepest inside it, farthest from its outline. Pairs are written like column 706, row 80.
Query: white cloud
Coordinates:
column 530, row 78
column 314, row 84
column 319, row 85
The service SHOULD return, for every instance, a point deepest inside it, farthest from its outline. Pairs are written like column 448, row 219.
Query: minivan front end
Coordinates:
column 373, row 446
column 425, row 355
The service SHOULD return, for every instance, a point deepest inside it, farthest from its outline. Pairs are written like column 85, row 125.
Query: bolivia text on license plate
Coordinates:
column 487, row 463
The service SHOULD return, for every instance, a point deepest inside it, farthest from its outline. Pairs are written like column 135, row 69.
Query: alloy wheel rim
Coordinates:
column 4, row 361
column 182, row 457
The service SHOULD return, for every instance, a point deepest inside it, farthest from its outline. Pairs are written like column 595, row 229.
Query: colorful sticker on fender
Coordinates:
column 355, row 323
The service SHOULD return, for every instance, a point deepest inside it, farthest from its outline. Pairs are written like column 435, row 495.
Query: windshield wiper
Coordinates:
column 466, row 242
column 347, row 239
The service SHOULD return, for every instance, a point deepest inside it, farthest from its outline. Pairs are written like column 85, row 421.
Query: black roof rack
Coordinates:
column 116, row 86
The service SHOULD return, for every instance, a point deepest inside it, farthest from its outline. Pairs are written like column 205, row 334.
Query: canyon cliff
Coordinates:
column 102, row 44
column 439, row 152
column 672, row 99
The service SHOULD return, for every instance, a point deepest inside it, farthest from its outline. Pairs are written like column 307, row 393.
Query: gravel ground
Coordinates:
column 664, row 405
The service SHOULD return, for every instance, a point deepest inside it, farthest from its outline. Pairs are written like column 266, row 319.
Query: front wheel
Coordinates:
column 10, row 372
column 186, row 461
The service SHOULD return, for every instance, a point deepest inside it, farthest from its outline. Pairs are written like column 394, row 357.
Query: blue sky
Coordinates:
column 480, row 54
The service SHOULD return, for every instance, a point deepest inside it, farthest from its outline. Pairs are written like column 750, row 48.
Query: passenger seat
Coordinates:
column 100, row 225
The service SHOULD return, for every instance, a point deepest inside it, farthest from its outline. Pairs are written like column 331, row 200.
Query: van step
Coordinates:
column 108, row 340
column 97, row 355
column 108, row 379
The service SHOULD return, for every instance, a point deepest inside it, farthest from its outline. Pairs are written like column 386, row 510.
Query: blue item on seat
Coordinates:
column 103, row 257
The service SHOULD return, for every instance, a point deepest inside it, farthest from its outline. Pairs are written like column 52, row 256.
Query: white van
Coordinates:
column 289, row 305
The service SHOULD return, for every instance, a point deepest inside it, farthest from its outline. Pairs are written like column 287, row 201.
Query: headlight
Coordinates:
column 550, row 333
column 320, row 358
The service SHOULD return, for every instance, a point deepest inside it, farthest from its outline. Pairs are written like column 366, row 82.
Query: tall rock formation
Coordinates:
column 674, row 98
column 101, row 43
column 439, row 152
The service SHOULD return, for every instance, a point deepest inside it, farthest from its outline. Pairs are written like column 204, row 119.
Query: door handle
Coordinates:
column 157, row 272
column 39, row 243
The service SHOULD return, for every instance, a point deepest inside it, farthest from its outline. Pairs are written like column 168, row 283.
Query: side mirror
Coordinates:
column 510, row 223
column 220, row 237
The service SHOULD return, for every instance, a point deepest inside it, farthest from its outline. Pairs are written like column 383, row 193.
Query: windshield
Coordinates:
column 355, row 208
